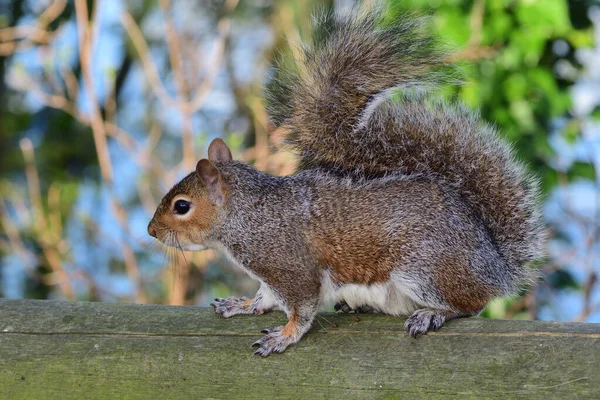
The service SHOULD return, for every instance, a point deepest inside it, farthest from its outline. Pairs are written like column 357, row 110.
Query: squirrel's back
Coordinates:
column 357, row 104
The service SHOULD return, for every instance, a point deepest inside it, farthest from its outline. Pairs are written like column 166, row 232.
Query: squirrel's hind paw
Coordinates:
column 345, row 308
column 426, row 319
column 273, row 342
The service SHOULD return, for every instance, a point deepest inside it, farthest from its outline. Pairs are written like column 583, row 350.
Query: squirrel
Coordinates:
column 401, row 203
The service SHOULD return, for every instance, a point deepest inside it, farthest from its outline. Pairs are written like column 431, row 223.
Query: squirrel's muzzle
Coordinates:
column 151, row 230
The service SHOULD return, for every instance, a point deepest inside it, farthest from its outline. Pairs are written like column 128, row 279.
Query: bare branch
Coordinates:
column 85, row 34
column 144, row 53
column 85, row 56
column 40, row 223
column 182, row 88
column 21, row 38
column 223, row 29
column 14, row 237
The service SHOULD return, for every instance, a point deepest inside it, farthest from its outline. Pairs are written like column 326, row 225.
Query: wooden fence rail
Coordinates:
column 68, row 350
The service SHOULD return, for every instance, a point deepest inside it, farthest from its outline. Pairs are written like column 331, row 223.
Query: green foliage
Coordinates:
column 509, row 66
column 562, row 279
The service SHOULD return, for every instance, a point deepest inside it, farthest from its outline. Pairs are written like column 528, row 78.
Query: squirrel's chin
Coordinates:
column 192, row 247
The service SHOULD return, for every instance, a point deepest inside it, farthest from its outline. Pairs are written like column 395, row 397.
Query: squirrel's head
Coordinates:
column 188, row 212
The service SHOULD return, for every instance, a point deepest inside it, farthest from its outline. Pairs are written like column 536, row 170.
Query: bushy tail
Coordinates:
column 337, row 109
column 451, row 144
column 350, row 62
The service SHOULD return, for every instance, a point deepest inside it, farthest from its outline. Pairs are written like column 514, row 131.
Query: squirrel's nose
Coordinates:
column 151, row 230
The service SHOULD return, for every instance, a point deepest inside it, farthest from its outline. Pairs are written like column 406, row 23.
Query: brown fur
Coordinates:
column 185, row 229
column 202, row 220
column 291, row 328
column 367, row 263
column 460, row 287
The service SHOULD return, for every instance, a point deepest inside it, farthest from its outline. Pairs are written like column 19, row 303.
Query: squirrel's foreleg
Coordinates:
column 263, row 302
column 277, row 339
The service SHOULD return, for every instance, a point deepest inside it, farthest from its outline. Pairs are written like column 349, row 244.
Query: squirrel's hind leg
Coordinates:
column 429, row 319
column 263, row 302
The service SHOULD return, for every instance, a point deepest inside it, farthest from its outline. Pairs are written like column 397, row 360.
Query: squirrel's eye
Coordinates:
column 181, row 207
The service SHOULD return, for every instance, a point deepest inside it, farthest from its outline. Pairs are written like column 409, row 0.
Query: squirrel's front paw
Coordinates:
column 273, row 342
column 234, row 305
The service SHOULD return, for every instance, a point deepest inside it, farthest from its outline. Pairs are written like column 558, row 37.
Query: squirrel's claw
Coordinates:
column 273, row 342
column 233, row 305
column 271, row 330
column 345, row 308
column 424, row 320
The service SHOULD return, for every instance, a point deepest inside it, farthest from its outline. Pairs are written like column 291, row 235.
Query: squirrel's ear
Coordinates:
column 207, row 172
column 218, row 151
column 210, row 175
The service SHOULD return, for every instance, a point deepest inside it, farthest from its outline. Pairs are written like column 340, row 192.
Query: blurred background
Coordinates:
column 105, row 104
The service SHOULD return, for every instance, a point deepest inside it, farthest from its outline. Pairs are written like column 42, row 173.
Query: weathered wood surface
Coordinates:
column 59, row 350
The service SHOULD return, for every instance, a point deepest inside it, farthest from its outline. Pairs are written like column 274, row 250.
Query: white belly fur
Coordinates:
column 394, row 297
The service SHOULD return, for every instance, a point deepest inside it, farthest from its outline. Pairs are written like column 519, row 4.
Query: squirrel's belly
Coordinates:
column 389, row 297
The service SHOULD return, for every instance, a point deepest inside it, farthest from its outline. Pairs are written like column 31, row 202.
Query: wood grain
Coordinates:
column 74, row 350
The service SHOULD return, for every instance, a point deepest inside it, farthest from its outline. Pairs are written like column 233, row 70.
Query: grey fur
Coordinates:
column 267, row 217
column 341, row 119
column 411, row 206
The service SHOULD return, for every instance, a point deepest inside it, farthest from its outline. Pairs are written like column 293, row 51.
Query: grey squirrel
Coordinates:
column 404, row 204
